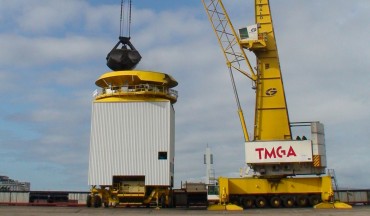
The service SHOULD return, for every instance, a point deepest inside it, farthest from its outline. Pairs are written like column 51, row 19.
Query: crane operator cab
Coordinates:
column 125, row 57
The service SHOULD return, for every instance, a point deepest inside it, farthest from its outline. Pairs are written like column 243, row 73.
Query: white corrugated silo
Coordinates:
column 132, row 135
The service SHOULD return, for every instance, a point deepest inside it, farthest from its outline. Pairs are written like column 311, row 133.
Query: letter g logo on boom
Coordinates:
column 271, row 91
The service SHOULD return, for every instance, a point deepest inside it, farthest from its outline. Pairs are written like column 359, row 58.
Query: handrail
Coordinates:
column 137, row 89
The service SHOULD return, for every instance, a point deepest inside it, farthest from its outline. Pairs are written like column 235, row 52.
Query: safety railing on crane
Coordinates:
column 140, row 89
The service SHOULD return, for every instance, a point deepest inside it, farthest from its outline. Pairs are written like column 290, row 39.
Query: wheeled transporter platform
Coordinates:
column 244, row 193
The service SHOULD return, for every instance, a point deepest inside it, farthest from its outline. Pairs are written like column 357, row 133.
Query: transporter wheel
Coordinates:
column 88, row 200
column 162, row 201
column 261, row 202
column 174, row 202
column 288, row 201
column 114, row 201
column 275, row 201
column 247, row 202
column 97, row 201
column 314, row 199
column 302, row 201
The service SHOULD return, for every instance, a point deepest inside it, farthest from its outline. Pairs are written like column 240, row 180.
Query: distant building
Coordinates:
column 7, row 184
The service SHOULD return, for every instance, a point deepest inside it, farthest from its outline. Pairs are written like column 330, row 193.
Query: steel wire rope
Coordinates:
column 125, row 18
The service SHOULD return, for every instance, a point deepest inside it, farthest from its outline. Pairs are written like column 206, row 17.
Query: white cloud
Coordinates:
column 24, row 51
column 46, row 16
column 103, row 16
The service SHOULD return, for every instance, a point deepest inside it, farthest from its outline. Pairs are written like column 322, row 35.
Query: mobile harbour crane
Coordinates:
column 272, row 153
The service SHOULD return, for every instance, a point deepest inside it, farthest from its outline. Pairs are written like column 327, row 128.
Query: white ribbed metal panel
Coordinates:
column 20, row 197
column 14, row 197
column 318, row 142
column 79, row 197
column 5, row 197
column 126, row 138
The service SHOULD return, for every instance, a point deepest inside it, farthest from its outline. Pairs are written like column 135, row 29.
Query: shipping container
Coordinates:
column 78, row 197
column 353, row 196
column 14, row 197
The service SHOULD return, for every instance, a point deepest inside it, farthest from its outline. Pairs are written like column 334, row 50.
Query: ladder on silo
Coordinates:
column 212, row 177
column 331, row 173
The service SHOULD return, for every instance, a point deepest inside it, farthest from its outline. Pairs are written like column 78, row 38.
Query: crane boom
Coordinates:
column 271, row 152
column 234, row 54
column 271, row 112
column 229, row 42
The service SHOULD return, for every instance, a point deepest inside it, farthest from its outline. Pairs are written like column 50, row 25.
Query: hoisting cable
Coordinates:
column 126, row 21
column 121, row 20
column 240, row 111
column 129, row 19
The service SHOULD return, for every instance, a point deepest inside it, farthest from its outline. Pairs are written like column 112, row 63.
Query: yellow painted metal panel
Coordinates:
column 254, row 186
column 129, row 99
column 135, row 85
column 316, row 161
column 133, row 77
column 271, row 114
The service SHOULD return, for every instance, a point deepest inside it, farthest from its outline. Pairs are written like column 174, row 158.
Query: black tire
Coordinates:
column 302, row 201
column 288, row 202
column 261, row 202
column 275, row 202
column 88, row 201
column 174, row 201
column 115, row 201
column 97, row 201
column 163, row 201
column 314, row 199
column 247, row 202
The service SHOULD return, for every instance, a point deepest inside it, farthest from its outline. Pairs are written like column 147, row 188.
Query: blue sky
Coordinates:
column 53, row 51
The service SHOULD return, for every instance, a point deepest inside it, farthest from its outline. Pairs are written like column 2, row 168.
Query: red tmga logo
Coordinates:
column 264, row 153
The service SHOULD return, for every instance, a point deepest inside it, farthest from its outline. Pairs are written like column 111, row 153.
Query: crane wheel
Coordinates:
column 261, row 202
column 247, row 202
column 314, row 199
column 288, row 202
column 97, row 201
column 88, row 201
column 302, row 201
column 163, row 201
column 275, row 201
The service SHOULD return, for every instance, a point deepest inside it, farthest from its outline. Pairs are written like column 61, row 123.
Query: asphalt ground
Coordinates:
column 84, row 211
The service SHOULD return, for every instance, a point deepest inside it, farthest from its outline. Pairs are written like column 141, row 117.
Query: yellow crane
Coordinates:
column 272, row 153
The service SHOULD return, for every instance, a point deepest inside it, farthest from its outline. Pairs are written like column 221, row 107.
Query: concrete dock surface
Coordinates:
column 84, row 211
